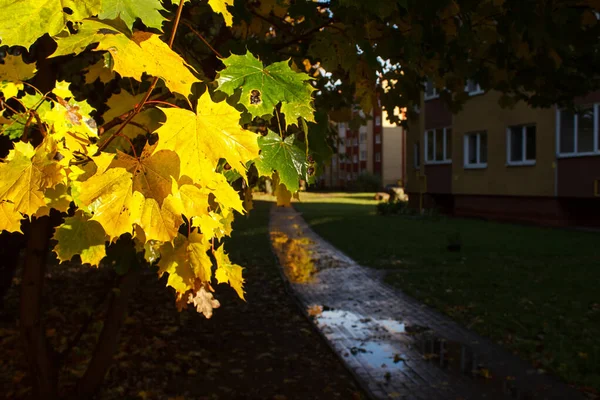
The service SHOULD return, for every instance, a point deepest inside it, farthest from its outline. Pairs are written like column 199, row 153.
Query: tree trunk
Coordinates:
column 109, row 337
column 10, row 249
column 44, row 374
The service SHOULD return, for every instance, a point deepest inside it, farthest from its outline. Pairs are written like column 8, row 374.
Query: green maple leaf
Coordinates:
column 282, row 156
column 264, row 88
column 23, row 22
column 130, row 10
column 14, row 127
column 79, row 235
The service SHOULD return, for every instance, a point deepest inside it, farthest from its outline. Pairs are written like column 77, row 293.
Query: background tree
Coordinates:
column 134, row 128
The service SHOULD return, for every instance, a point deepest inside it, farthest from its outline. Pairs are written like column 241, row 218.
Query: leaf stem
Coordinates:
column 279, row 122
column 130, row 143
column 139, row 107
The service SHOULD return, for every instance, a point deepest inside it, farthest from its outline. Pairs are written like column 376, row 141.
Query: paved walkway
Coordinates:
column 397, row 347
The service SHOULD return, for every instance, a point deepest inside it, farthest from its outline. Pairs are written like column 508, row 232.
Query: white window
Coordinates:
column 521, row 145
column 475, row 150
column 377, row 157
column 473, row 88
column 438, row 145
column 363, row 155
column 378, row 120
column 430, row 90
column 342, row 129
column 417, row 155
column 355, row 141
column 577, row 133
column 355, row 158
column 349, row 142
column 363, row 138
column 348, row 177
column 378, row 138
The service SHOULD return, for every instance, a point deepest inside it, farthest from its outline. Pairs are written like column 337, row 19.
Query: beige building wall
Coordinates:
column 483, row 113
column 393, row 154
column 414, row 136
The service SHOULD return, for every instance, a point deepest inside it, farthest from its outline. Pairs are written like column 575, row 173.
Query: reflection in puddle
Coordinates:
column 295, row 257
column 374, row 340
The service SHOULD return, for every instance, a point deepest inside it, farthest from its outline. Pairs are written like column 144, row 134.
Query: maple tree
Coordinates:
column 148, row 122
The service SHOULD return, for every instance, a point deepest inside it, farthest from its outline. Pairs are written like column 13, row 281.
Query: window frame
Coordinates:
column 475, row 92
column 378, row 138
column 445, row 159
column 363, row 153
column 434, row 94
column 466, row 163
column 524, row 161
column 378, row 157
column 596, row 133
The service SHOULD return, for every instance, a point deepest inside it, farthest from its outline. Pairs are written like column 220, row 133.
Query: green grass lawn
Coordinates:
column 534, row 290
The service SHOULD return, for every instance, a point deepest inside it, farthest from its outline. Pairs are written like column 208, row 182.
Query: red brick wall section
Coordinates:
column 576, row 176
column 439, row 178
column 593, row 97
column 437, row 114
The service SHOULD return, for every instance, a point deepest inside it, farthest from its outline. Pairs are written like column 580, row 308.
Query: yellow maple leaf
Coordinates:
column 56, row 198
column 153, row 172
column 227, row 272
column 103, row 161
column 98, row 71
column 27, row 172
column 13, row 73
column 10, row 219
column 193, row 201
column 142, row 53
column 146, row 53
column 208, row 224
column 158, row 212
column 159, row 222
column 213, row 133
column 80, row 235
column 186, row 262
column 220, row 6
column 144, row 122
column 109, row 197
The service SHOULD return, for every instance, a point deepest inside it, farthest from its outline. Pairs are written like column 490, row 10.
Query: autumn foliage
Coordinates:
column 154, row 173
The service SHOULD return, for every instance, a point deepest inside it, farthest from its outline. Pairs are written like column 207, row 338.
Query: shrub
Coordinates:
column 366, row 182
column 397, row 207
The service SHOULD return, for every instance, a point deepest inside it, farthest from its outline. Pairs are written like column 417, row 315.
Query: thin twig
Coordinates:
column 162, row 102
column 140, row 106
column 202, row 38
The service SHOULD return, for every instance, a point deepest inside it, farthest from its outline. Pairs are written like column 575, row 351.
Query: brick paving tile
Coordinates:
column 397, row 347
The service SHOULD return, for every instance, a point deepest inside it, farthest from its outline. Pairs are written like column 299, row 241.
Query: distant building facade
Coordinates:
column 519, row 164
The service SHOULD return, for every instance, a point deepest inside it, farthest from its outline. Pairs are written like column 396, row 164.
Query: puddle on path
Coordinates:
column 375, row 341
column 388, row 346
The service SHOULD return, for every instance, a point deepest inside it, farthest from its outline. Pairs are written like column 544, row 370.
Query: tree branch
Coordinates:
column 141, row 105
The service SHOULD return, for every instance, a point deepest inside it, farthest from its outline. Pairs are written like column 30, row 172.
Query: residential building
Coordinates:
column 519, row 164
column 377, row 147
